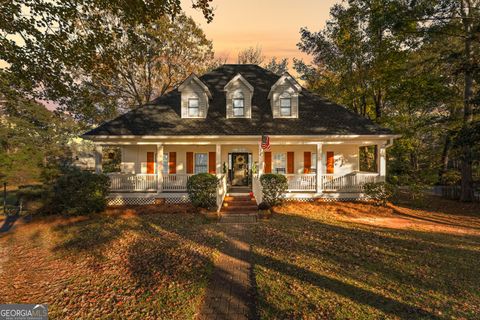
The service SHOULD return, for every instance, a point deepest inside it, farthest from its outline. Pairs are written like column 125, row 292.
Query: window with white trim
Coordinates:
column 238, row 104
column 201, row 162
column 285, row 105
column 165, row 167
column 279, row 162
column 193, row 107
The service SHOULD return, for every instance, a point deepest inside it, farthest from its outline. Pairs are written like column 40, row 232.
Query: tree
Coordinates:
column 146, row 62
column 45, row 42
column 251, row 55
column 279, row 67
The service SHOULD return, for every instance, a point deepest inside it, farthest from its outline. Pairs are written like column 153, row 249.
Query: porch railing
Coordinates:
column 221, row 190
column 351, row 182
column 132, row 182
column 175, row 182
column 302, row 182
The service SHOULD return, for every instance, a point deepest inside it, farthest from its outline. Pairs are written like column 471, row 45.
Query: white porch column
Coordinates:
column 261, row 161
column 159, row 167
column 382, row 161
column 98, row 158
column 319, row 167
column 218, row 158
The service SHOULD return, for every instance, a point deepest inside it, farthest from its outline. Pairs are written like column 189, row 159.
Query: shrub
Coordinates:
column 78, row 192
column 264, row 206
column 379, row 192
column 451, row 177
column 202, row 190
column 274, row 188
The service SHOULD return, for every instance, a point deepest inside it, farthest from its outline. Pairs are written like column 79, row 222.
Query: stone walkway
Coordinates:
column 230, row 294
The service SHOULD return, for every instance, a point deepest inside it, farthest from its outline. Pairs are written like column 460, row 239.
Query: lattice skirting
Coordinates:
column 139, row 201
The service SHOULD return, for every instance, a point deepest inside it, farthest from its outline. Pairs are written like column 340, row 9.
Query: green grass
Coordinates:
column 314, row 261
column 109, row 267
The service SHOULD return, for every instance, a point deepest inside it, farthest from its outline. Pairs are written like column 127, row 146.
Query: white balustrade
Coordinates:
column 257, row 189
column 351, row 182
column 175, row 182
column 221, row 190
column 301, row 182
column 132, row 182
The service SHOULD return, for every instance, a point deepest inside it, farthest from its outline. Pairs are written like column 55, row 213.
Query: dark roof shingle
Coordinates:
column 317, row 116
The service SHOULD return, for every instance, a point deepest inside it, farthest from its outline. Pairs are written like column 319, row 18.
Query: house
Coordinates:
column 214, row 123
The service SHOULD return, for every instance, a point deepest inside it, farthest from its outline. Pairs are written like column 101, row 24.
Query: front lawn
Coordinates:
column 358, row 261
column 115, row 265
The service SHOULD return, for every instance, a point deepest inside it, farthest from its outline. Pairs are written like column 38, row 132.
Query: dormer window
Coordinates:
column 238, row 93
column 193, row 107
column 238, row 104
column 285, row 105
column 195, row 97
column 284, row 97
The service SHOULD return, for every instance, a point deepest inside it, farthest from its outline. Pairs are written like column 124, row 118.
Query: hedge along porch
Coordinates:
column 161, row 169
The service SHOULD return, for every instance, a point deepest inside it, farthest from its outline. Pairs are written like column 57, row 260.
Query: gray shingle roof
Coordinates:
column 317, row 116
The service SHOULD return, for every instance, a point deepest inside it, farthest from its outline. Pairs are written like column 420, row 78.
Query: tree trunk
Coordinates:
column 445, row 157
column 466, row 193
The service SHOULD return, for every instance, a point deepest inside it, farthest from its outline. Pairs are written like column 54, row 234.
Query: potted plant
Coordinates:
column 264, row 210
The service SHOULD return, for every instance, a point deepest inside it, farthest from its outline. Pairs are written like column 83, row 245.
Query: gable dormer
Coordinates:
column 284, row 97
column 194, row 97
column 239, row 95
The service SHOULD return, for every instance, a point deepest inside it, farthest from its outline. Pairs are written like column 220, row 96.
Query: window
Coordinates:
column 313, row 166
column 193, row 107
column 285, row 105
column 279, row 163
column 238, row 104
column 165, row 163
column 201, row 162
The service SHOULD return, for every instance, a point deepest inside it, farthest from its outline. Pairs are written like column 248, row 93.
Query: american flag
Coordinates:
column 265, row 142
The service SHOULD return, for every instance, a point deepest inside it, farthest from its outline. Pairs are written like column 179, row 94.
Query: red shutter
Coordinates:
column 268, row 162
column 330, row 162
column 150, row 162
column 172, row 162
column 307, row 162
column 189, row 162
column 211, row 162
column 290, row 162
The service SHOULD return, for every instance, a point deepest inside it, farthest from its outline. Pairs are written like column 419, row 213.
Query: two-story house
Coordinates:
column 214, row 123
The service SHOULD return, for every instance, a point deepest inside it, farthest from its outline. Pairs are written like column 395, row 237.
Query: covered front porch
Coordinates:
column 164, row 168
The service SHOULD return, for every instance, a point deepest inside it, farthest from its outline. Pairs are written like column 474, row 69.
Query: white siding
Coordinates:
column 247, row 94
column 275, row 99
column 194, row 90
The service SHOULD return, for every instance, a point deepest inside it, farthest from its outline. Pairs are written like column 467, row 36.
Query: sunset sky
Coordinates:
column 272, row 24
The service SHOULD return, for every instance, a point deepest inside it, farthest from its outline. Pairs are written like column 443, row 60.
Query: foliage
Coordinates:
column 111, row 159
column 251, row 55
column 264, row 206
column 279, row 67
column 451, row 177
column 202, row 190
column 379, row 192
column 29, row 134
column 274, row 187
column 52, row 37
column 78, row 192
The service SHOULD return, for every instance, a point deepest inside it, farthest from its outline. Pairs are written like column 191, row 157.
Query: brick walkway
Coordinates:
column 230, row 291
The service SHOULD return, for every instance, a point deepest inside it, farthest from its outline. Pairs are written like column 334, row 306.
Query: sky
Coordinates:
column 273, row 25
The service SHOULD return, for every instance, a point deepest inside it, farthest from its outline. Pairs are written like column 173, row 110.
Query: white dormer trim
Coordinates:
column 238, row 77
column 285, row 77
column 193, row 88
column 193, row 77
column 238, row 88
column 284, row 97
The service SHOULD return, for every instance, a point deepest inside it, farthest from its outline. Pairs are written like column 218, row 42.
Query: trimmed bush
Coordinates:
column 264, row 206
column 78, row 192
column 274, row 188
column 379, row 192
column 202, row 190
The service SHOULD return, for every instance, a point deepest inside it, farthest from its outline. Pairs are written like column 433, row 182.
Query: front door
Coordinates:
column 239, row 169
